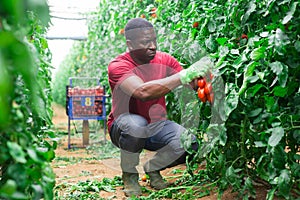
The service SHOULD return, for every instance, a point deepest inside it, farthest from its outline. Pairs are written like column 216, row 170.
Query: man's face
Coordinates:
column 143, row 45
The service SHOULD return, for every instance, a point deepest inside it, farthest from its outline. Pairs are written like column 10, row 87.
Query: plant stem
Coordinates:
column 236, row 159
column 243, row 139
column 172, row 177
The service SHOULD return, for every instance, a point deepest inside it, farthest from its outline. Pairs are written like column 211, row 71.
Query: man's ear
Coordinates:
column 129, row 45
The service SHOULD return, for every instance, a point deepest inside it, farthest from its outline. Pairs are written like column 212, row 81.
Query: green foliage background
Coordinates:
column 258, row 134
column 25, row 102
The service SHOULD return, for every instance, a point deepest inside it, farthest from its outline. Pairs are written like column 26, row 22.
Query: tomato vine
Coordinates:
column 25, row 102
column 251, row 133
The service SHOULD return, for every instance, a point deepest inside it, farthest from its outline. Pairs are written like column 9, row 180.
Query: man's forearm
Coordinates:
column 157, row 88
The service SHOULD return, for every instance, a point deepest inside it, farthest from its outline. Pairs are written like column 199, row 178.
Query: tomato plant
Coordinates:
column 25, row 102
column 257, row 79
column 89, row 189
column 251, row 131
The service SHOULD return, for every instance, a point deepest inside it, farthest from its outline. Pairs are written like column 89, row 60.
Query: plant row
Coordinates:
column 26, row 141
column 250, row 133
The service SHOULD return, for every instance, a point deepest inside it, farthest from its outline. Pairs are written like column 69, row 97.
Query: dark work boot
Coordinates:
column 156, row 180
column 131, row 184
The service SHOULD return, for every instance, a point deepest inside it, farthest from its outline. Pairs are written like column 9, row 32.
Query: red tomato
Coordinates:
column 153, row 15
column 210, row 97
column 144, row 178
column 201, row 93
column 244, row 36
column 201, row 83
column 208, row 88
column 153, row 9
column 122, row 31
column 153, row 12
column 195, row 24
column 204, row 99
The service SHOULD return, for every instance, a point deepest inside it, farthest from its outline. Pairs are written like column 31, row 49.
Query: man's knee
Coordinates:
column 131, row 143
column 133, row 125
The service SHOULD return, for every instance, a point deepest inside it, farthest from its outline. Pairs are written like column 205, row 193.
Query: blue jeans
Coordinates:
column 132, row 133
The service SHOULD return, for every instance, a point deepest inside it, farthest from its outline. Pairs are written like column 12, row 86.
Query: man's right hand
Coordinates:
column 196, row 70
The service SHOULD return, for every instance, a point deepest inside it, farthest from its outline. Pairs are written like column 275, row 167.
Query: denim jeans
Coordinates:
column 132, row 133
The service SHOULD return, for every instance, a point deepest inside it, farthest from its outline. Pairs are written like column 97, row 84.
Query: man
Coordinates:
column 139, row 80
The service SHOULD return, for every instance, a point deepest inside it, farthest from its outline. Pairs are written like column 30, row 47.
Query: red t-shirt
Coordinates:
column 122, row 67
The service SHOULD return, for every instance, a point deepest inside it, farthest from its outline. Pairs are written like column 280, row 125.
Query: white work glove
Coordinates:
column 196, row 70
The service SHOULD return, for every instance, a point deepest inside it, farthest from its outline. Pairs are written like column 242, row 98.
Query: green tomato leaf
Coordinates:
column 258, row 53
column 250, row 9
column 41, row 8
column 276, row 67
column 222, row 135
column 186, row 141
column 269, row 102
column 281, row 70
column 271, row 194
column 213, row 132
column 280, row 91
column 259, row 144
column 223, row 51
column 189, row 10
column 277, row 134
column 212, row 26
column 264, row 34
column 255, row 112
column 203, row 26
column 5, row 91
column 249, row 69
column 281, row 37
column 38, row 191
column 16, row 152
column 231, row 100
column 290, row 14
column 222, row 41
column 41, row 108
column 232, row 176
column 8, row 188
column 284, row 181
column 238, row 61
column 297, row 45
column 216, row 132
column 33, row 155
column 279, row 40
column 48, row 154
column 210, row 43
column 251, row 92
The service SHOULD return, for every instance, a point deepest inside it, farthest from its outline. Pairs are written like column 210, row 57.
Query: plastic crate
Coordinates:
column 85, row 100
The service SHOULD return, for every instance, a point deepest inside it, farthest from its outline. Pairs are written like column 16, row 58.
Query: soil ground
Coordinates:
column 90, row 169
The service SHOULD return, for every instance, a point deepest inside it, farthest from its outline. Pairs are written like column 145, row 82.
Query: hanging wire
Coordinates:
column 68, row 18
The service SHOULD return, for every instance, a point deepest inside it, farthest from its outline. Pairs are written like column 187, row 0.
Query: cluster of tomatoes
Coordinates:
column 77, row 91
column 80, row 110
column 86, row 101
column 205, row 90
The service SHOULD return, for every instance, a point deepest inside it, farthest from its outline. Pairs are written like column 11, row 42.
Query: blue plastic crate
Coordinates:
column 85, row 100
